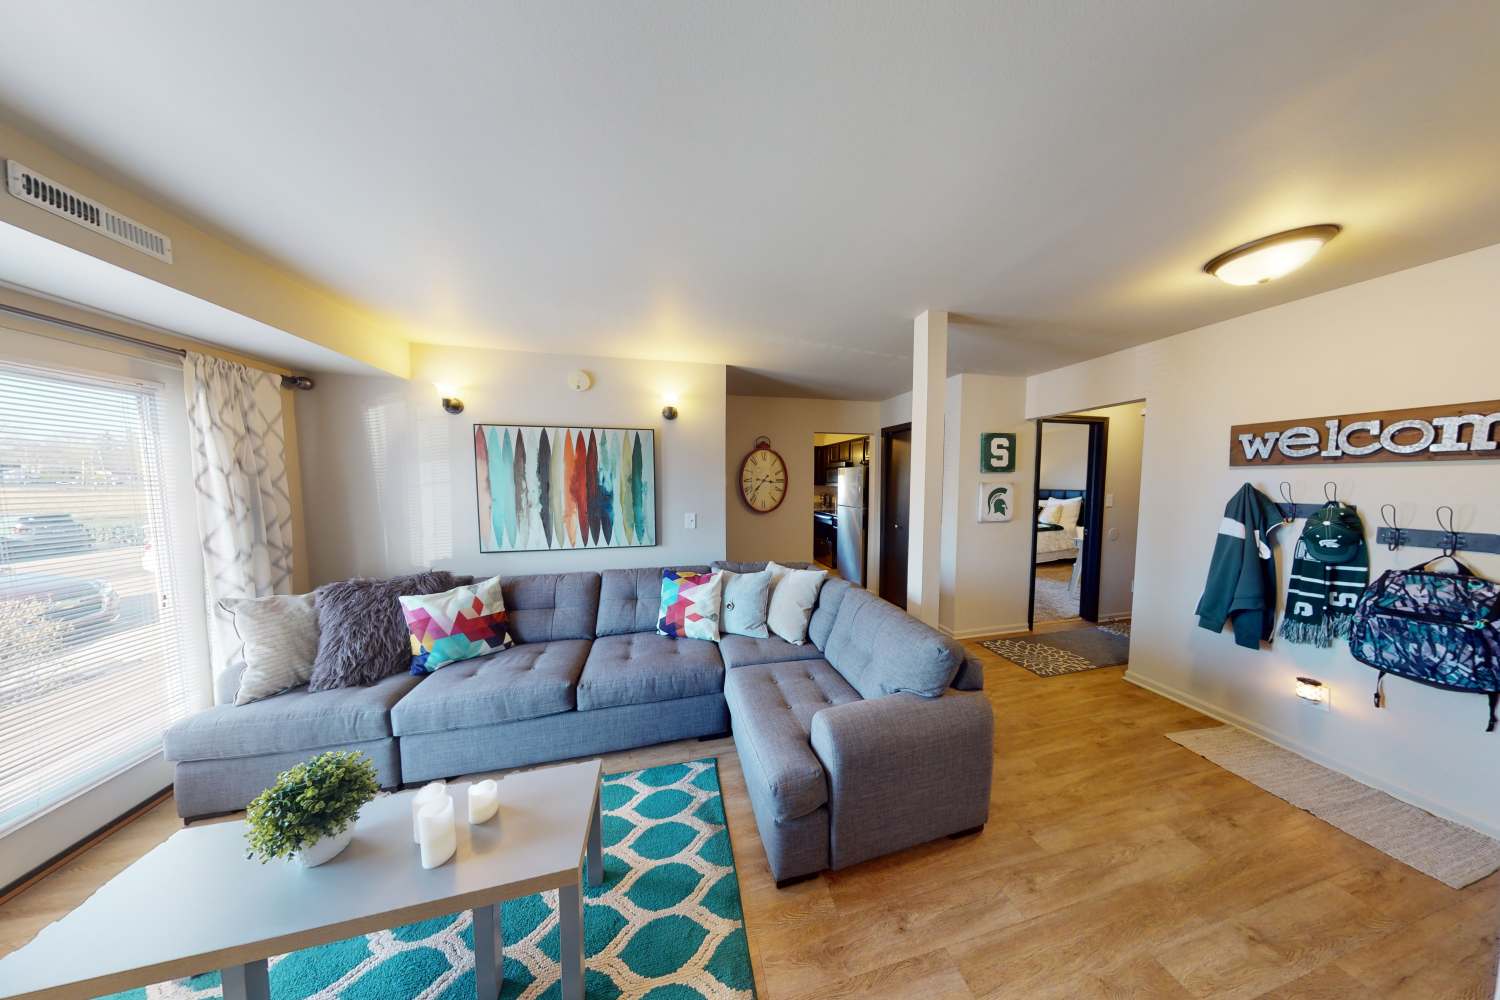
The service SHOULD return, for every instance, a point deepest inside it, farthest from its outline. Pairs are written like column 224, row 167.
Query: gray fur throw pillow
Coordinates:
column 362, row 634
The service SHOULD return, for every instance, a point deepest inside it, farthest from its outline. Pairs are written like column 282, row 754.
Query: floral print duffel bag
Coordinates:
column 1441, row 629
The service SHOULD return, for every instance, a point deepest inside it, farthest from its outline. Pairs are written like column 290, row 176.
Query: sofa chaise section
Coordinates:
column 871, row 750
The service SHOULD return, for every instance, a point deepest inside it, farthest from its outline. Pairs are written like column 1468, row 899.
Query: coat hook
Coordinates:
column 1331, row 491
column 1288, row 507
column 1450, row 537
column 1396, row 538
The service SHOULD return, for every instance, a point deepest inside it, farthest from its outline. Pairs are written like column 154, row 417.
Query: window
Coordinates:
column 93, row 649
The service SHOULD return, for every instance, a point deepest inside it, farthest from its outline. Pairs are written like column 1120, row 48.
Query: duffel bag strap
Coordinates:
column 1494, row 707
column 1380, row 690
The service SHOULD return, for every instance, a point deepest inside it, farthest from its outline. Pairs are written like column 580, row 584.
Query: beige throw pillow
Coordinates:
column 794, row 592
column 280, row 636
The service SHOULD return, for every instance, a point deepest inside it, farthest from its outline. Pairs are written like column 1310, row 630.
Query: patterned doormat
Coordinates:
column 1067, row 652
column 665, row 923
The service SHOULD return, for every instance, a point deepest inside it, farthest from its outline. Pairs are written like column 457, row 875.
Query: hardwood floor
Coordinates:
column 1115, row 864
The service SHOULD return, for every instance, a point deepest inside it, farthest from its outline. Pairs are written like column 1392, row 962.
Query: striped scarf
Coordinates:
column 1321, row 596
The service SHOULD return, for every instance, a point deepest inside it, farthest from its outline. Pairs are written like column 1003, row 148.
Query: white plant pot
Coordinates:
column 325, row 848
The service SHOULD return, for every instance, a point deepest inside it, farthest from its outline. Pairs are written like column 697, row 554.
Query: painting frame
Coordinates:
column 989, row 491
column 597, row 490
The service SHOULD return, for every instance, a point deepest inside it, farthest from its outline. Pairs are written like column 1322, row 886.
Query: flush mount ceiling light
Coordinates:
column 1258, row 261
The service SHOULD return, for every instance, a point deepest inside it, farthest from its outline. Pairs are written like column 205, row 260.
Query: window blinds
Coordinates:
column 91, row 648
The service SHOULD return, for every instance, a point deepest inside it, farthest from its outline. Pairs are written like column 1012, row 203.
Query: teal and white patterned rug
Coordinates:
column 665, row 925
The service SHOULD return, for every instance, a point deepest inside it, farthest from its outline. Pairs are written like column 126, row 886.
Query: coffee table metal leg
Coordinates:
column 596, row 844
column 570, row 917
column 489, row 952
column 251, row 981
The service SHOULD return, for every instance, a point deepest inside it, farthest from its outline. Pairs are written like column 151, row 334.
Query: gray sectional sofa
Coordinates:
column 871, row 737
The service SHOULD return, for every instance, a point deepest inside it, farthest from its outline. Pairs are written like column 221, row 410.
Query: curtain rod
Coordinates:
column 287, row 381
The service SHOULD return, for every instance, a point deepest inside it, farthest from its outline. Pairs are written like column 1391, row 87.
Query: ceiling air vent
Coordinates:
column 30, row 186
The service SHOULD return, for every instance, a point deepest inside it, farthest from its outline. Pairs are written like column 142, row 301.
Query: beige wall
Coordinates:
column 1065, row 456
column 1417, row 337
column 389, row 476
column 984, row 575
column 786, row 533
column 205, row 264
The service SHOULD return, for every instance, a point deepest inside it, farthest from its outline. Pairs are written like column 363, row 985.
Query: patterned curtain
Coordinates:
column 239, row 477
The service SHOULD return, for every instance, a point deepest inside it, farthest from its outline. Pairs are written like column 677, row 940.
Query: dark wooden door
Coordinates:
column 894, row 508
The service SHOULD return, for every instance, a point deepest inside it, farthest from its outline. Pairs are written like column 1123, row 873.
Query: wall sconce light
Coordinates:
column 1313, row 691
column 451, row 402
column 669, row 411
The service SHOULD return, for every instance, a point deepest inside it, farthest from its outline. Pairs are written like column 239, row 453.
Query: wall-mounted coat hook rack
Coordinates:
column 1446, row 540
column 1291, row 510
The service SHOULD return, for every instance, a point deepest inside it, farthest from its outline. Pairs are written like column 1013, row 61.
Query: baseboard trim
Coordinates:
column 1297, row 747
column 988, row 630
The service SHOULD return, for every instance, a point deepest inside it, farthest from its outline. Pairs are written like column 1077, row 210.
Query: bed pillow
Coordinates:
column 362, row 636
column 690, row 604
column 458, row 624
column 279, row 642
column 793, row 595
column 1067, row 513
column 1050, row 511
column 747, row 600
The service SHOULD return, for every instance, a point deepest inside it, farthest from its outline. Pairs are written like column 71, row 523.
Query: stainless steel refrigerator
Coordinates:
column 850, row 550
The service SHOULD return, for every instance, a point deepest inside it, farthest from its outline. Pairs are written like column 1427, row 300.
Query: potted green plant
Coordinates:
column 309, row 813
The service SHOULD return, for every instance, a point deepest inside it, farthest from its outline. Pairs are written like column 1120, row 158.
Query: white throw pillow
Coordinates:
column 280, row 637
column 747, row 601
column 1067, row 513
column 793, row 594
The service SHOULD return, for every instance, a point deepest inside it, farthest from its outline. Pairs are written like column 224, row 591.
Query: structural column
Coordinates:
column 929, row 375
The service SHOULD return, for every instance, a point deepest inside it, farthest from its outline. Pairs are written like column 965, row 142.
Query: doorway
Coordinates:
column 1071, row 457
column 895, row 443
column 1088, row 487
column 841, row 477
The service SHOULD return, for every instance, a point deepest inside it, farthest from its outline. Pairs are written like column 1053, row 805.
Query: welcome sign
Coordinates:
column 1455, row 431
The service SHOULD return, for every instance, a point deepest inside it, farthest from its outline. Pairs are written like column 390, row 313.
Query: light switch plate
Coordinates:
column 690, row 520
column 1109, row 499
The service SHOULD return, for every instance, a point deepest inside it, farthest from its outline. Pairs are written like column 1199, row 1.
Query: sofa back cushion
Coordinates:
column 880, row 649
column 756, row 567
column 826, row 613
column 630, row 599
column 550, row 607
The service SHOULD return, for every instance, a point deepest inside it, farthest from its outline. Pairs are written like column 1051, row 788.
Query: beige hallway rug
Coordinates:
column 1454, row 855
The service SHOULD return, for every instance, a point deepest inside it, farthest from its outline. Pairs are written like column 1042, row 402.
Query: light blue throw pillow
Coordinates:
column 747, row 597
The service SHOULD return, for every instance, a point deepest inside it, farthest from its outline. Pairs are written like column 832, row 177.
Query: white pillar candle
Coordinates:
column 439, row 838
column 432, row 792
column 484, row 800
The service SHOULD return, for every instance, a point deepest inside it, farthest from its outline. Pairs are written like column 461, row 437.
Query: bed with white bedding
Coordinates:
column 1058, row 514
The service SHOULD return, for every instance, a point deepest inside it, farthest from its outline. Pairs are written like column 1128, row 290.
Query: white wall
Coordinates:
column 389, row 476
column 786, row 534
column 1422, row 336
column 1122, row 486
column 1065, row 456
column 984, row 575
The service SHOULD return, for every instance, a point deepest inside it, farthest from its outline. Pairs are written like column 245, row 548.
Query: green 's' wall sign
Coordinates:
column 997, row 452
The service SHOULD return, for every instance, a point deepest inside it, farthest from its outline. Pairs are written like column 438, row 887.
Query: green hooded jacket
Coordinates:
column 1241, row 587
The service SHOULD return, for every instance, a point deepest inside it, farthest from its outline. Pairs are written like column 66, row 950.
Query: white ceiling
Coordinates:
column 783, row 186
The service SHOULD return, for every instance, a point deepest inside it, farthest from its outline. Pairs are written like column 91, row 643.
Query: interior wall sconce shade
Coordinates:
column 1314, row 691
column 451, row 402
column 1270, row 257
column 669, row 411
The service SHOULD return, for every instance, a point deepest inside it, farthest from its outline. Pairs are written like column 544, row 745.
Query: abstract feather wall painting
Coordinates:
column 564, row 487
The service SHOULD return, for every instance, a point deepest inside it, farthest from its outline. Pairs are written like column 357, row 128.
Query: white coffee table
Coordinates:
column 195, row 903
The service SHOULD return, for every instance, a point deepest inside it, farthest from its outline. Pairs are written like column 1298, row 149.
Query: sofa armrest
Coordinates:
column 903, row 770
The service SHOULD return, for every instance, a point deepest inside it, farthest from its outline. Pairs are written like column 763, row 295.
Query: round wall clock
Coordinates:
column 763, row 478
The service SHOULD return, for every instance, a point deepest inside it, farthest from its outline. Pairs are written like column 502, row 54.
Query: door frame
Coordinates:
column 1093, row 523
column 886, row 434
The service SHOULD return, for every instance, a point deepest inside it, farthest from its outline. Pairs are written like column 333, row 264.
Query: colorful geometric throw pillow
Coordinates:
column 458, row 624
column 690, row 605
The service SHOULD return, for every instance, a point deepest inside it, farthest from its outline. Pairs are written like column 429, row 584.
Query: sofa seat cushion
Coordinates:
column 524, row 682
column 771, row 707
column 743, row 651
column 298, row 719
column 643, row 668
